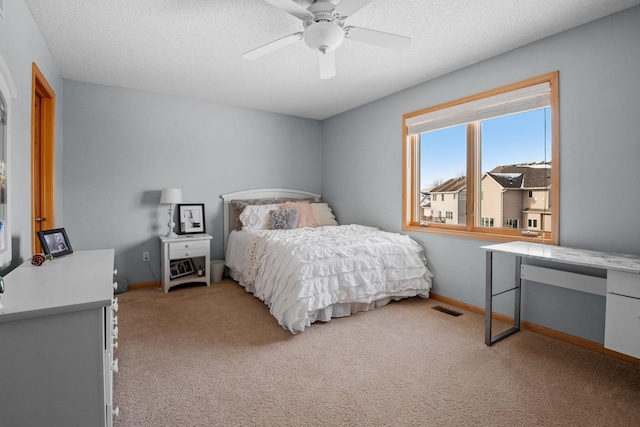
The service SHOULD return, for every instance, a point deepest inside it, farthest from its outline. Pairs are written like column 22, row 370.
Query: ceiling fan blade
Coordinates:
column 327, row 64
column 378, row 38
column 349, row 7
column 290, row 7
column 274, row 45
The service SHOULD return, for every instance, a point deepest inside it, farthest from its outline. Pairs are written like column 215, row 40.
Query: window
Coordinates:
column 487, row 222
column 511, row 223
column 499, row 151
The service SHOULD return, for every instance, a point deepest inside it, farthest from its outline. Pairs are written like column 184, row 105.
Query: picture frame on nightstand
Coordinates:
column 181, row 267
column 191, row 218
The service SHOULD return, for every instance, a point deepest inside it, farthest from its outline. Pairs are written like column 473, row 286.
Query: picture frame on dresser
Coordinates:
column 181, row 267
column 191, row 218
column 55, row 242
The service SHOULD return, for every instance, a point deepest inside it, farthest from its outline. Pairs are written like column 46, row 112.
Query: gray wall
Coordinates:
column 123, row 146
column 21, row 44
column 599, row 66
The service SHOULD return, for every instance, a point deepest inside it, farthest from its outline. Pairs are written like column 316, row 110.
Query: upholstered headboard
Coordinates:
column 258, row 196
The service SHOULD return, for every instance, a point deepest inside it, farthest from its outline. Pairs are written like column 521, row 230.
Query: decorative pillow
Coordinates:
column 323, row 214
column 237, row 206
column 305, row 213
column 283, row 219
column 256, row 217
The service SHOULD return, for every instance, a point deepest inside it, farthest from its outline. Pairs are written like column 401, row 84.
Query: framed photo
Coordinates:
column 181, row 267
column 191, row 218
column 55, row 242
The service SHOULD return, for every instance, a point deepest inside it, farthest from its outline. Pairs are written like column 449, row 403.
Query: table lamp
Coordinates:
column 171, row 196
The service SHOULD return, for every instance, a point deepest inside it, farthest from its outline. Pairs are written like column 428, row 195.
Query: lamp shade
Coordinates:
column 171, row 195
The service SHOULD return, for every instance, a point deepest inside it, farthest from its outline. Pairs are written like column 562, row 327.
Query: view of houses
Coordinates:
column 513, row 196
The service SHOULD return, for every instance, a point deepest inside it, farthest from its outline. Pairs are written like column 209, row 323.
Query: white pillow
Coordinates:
column 323, row 214
column 256, row 217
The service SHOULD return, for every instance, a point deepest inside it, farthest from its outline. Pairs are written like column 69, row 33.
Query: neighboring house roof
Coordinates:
column 452, row 185
column 425, row 202
column 521, row 176
column 535, row 175
column 508, row 180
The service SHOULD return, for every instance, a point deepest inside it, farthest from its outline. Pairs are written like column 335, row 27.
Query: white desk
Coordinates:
column 621, row 287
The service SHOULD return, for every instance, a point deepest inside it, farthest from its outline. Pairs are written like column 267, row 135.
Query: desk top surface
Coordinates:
column 606, row 260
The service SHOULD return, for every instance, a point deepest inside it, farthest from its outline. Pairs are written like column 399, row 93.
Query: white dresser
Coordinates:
column 57, row 332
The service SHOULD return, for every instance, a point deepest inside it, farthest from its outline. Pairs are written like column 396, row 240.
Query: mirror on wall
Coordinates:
column 5, row 178
column 3, row 164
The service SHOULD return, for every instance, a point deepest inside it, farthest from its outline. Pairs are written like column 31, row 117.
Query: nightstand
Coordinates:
column 185, row 259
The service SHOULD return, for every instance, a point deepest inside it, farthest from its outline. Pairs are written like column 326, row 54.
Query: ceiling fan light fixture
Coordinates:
column 324, row 30
column 323, row 36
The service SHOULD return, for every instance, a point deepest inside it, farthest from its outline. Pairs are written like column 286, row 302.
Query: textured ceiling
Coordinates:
column 192, row 48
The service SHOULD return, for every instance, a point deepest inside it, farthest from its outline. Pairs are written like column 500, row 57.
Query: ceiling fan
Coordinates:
column 324, row 31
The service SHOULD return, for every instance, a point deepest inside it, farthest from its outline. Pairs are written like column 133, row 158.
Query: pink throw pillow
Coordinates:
column 305, row 213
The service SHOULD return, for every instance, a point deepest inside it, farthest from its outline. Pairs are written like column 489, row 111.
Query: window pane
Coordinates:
column 443, row 156
column 516, row 171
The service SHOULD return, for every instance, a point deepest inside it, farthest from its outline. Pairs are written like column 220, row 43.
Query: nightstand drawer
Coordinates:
column 187, row 253
column 192, row 248
column 191, row 244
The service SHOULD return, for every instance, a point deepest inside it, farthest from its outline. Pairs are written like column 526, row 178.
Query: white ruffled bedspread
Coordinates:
column 298, row 273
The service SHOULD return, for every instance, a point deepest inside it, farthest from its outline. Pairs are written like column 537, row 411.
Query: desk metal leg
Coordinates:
column 517, row 296
column 488, row 297
column 488, row 339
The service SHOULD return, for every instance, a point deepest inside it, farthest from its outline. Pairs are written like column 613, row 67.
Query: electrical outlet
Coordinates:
column 145, row 256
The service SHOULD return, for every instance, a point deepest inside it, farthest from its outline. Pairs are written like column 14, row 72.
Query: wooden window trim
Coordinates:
column 410, row 177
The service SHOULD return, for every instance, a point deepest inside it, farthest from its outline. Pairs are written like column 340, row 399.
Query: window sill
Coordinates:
column 488, row 236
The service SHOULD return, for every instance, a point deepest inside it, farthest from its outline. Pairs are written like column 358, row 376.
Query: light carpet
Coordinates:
column 214, row 356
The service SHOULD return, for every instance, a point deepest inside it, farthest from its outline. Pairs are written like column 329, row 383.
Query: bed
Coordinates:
column 286, row 248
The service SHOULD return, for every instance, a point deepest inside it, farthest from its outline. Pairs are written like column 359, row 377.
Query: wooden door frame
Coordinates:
column 41, row 87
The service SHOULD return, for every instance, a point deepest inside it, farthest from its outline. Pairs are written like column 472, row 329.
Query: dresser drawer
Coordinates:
column 192, row 248
column 622, row 283
column 622, row 325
